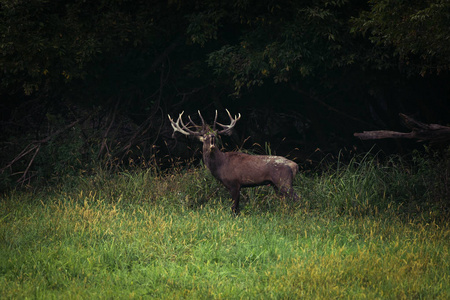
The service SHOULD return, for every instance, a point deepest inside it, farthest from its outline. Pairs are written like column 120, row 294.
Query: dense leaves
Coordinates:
column 418, row 32
column 282, row 41
column 46, row 45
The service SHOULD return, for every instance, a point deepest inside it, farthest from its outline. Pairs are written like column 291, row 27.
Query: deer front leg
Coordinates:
column 235, row 193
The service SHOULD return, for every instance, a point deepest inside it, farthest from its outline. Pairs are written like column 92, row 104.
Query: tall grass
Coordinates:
column 362, row 230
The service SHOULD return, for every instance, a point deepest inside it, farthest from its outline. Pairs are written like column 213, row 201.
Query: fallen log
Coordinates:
column 422, row 132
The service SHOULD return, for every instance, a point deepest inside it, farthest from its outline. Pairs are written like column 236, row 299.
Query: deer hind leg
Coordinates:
column 288, row 192
column 283, row 185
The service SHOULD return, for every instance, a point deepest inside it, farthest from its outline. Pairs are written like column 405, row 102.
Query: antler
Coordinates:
column 227, row 128
column 183, row 128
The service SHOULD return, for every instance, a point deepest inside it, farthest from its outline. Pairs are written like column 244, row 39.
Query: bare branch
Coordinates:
column 105, row 134
column 422, row 132
column 35, row 146
column 23, row 177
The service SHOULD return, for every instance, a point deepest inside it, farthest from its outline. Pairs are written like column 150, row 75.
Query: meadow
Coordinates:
column 364, row 229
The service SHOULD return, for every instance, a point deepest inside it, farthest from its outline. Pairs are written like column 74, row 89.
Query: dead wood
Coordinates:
column 36, row 146
column 433, row 133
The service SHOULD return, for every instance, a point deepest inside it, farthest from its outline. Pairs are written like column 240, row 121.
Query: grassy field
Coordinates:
column 363, row 230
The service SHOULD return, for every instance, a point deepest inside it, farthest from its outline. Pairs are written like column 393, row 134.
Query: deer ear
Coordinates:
column 201, row 138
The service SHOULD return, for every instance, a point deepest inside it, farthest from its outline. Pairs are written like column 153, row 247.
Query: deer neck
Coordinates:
column 213, row 158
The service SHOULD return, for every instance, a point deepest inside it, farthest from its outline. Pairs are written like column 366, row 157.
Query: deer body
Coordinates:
column 236, row 170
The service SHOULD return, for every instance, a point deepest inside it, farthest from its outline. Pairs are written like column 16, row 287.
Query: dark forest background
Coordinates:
column 91, row 82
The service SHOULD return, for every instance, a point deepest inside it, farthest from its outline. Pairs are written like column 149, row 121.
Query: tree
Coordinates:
column 275, row 41
column 416, row 31
column 66, row 60
column 51, row 47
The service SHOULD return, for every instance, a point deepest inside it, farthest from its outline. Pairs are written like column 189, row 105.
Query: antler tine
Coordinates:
column 227, row 128
column 180, row 119
column 215, row 121
column 203, row 121
column 183, row 128
column 235, row 119
column 203, row 127
column 176, row 126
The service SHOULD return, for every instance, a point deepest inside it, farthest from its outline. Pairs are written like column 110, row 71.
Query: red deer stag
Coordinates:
column 235, row 169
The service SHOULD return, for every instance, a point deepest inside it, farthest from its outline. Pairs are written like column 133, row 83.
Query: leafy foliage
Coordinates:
column 51, row 47
column 416, row 30
column 277, row 40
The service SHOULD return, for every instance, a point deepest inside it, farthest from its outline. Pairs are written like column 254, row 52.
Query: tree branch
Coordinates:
column 422, row 132
column 36, row 146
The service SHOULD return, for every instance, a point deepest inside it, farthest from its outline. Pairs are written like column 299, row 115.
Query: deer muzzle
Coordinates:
column 212, row 144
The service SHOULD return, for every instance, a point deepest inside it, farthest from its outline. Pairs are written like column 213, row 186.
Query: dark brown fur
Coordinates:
column 236, row 170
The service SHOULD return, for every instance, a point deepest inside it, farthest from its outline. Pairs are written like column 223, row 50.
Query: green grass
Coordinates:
column 363, row 230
